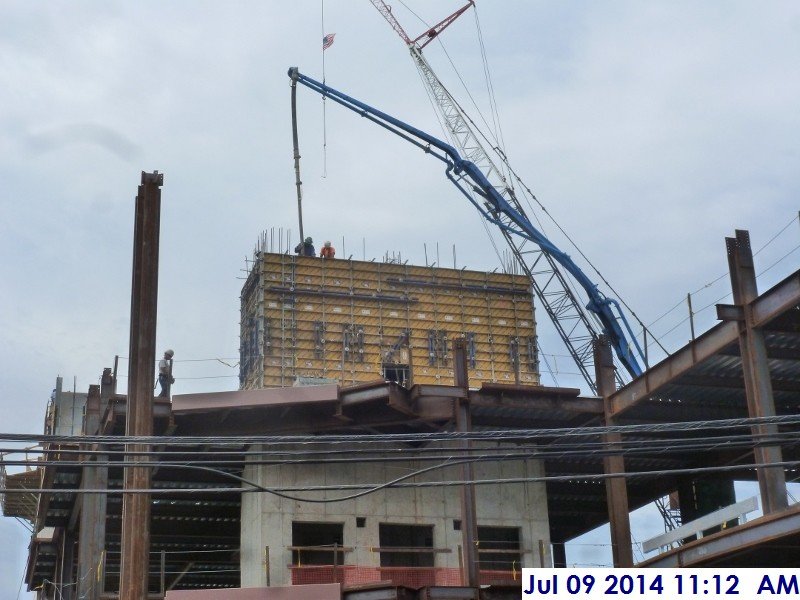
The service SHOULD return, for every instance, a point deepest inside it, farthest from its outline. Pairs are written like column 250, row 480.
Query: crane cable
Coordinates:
column 497, row 145
column 324, row 122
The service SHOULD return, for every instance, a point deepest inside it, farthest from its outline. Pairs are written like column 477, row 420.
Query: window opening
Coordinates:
column 396, row 373
column 311, row 540
column 395, row 366
column 413, row 540
column 499, row 549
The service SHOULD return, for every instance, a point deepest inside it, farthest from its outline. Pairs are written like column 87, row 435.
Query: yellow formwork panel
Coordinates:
column 349, row 321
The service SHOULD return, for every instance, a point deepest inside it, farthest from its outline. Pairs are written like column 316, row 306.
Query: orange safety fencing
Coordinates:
column 413, row 577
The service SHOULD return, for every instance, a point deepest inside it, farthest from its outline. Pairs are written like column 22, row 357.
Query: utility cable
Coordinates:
column 725, row 275
column 626, row 446
column 324, row 112
column 493, row 435
column 490, row 89
column 553, row 452
column 400, row 482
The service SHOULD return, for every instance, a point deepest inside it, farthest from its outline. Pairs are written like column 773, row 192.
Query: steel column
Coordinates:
column 92, row 534
column 616, row 487
column 469, row 522
column 141, row 362
column 755, row 366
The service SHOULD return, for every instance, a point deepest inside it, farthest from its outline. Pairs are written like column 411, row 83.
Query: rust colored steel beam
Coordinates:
column 616, row 487
column 142, row 355
column 762, row 310
column 755, row 367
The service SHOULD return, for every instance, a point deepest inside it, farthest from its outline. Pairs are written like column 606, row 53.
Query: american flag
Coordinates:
column 327, row 41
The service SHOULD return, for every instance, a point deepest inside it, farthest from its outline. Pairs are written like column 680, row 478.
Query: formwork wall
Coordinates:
column 355, row 321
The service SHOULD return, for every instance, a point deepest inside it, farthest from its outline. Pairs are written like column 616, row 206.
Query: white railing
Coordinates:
column 696, row 527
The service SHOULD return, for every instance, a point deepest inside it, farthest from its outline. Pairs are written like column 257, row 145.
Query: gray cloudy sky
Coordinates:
column 649, row 130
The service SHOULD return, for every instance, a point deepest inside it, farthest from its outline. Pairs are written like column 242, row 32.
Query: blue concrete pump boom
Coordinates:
column 462, row 172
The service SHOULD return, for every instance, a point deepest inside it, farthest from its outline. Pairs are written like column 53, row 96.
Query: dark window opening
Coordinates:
column 411, row 542
column 311, row 540
column 507, row 555
column 396, row 373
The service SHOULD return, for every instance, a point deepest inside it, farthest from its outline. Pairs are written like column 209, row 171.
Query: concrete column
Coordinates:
column 616, row 487
column 66, row 588
column 92, row 532
column 463, row 418
column 755, row 367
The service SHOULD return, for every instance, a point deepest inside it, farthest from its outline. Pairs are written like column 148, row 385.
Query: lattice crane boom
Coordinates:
column 577, row 326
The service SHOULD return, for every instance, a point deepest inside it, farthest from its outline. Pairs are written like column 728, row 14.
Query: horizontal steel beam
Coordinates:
column 730, row 541
column 696, row 527
column 771, row 304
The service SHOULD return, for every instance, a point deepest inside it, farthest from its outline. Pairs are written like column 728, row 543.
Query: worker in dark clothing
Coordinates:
column 327, row 251
column 305, row 248
column 165, row 378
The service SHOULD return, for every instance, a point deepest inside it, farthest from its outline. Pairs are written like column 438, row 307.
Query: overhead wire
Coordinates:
column 400, row 482
column 727, row 295
column 550, row 447
column 726, row 274
column 663, row 449
column 387, row 438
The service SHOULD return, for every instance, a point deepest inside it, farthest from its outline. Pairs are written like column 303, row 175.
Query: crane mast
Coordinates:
column 576, row 325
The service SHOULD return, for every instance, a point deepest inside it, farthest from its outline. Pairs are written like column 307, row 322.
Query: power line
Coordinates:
column 629, row 447
column 492, row 435
column 400, row 482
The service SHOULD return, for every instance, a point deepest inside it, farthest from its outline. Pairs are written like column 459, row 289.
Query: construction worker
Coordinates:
column 305, row 248
column 165, row 378
column 327, row 251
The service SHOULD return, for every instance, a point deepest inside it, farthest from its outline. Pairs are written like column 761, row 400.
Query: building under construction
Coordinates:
column 323, row 513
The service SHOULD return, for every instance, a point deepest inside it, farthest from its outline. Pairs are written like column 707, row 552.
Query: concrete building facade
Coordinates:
column 410, row 535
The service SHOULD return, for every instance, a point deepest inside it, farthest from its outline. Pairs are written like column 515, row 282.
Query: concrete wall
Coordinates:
column 267, row 519
column 64, row 411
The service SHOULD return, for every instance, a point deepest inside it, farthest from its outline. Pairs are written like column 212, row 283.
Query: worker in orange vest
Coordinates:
column 327, row 251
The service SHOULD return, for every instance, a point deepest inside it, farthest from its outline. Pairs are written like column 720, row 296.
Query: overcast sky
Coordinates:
column 649, row 130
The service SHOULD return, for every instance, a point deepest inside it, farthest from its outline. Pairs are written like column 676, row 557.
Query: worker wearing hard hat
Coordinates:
column 305, row 248
column 165, row 378
column 327, row 251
